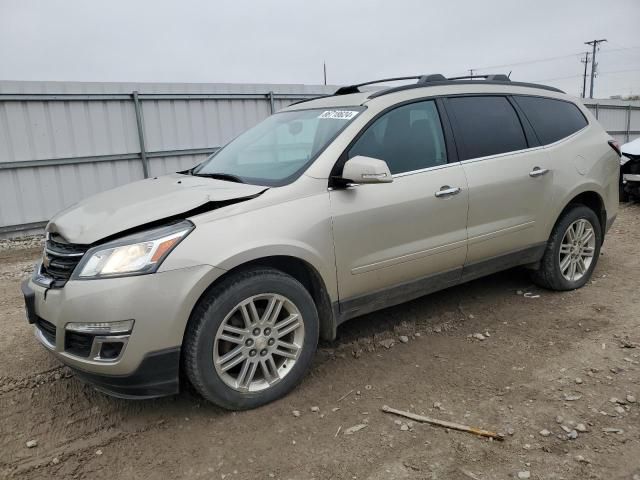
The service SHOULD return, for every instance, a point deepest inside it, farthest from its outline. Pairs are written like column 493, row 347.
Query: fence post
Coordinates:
column 272, row 105
column 628, row 123
column 140, row 125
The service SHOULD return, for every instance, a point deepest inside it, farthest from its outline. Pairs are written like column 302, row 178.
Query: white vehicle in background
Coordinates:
column 630, row 171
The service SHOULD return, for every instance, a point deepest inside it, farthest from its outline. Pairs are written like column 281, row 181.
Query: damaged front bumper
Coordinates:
column 140, row 356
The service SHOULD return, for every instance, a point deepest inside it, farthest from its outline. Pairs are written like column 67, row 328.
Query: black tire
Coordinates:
column 548, row 275
column 209, row 314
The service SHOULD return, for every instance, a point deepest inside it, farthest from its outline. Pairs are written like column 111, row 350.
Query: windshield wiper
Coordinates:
column 220, row 176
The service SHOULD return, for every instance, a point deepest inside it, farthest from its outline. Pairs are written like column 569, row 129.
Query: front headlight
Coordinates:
column 133, row 255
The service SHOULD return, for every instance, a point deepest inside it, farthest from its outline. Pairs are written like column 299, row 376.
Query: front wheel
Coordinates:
column 572, row 250
column 251, row 339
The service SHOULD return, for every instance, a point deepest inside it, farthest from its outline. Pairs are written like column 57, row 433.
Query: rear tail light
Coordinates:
column 616, row 146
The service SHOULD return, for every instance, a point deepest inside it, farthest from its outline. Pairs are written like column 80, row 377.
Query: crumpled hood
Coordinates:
column 142, row 202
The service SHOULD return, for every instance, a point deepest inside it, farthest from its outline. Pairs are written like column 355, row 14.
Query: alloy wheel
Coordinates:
column 577, row 249
column 258, row 342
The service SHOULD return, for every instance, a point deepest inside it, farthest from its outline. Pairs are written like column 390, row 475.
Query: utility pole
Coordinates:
column 594, row 44
column 585, row 60
column 324, row 65
column 471, row 72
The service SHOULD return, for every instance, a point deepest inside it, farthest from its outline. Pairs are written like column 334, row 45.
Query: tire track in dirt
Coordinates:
column 9, row 384
column 516, row 378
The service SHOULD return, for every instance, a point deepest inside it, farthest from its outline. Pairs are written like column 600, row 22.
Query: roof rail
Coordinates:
column 441, row 80
column 496, row 77
column 356, row 87
column 348, row 89
column 434, row 79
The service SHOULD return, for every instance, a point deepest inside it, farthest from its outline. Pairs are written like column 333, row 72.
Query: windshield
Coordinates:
column 280, row 148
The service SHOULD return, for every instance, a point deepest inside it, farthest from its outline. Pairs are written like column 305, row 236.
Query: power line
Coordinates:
column 621, row 49
column 556, row 78
column 548, row 59
column 528, row 62
column 577, row 76
column 620, row 71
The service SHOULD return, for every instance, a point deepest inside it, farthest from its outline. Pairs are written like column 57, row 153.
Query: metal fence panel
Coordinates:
column 612, row 119
column 621, row 118
column 161, row 166
column 63, row 141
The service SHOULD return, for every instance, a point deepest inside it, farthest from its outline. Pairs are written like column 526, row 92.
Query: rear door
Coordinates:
column 399, row 240
column 510, row 182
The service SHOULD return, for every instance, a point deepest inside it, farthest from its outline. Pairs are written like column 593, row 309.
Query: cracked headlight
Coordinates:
column 133, row 255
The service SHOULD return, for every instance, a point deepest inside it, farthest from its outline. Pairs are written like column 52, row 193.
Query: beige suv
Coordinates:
column 228, row 274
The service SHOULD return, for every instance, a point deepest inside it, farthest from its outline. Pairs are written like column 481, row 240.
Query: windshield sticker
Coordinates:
column 338, row 114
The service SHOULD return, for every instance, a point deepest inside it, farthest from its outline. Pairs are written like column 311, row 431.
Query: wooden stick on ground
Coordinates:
column 443, row 423
column 345, row 395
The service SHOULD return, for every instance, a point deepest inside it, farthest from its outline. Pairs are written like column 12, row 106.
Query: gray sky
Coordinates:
column 286, row 41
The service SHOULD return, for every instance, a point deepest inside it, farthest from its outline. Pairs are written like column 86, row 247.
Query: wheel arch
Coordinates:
column 300, row 269
column 589, row 197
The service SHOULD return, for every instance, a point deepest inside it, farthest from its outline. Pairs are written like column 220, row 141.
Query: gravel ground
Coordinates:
column 558, row 374
column 22, row 243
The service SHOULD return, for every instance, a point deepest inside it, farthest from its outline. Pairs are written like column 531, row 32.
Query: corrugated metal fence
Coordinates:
column 63, row 141
column 621, row 118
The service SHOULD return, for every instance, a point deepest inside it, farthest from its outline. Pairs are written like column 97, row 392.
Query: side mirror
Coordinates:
column 361, row 169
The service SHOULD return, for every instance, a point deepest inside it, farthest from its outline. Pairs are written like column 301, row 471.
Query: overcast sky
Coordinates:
column 286, row 41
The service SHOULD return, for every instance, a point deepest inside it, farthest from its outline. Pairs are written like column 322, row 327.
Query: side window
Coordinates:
column 486, row 125
column 551, row 119
column 408, row 138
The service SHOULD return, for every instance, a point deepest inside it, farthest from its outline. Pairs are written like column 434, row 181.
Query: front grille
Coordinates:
column 78, row 343
column 60, row 259
column 47, row 329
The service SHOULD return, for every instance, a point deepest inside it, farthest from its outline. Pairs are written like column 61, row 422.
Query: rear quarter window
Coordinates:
column 551, row 119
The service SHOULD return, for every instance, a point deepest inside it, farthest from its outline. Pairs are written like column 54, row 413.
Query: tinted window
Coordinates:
column 407, row 138
column 551, row 119
column 487, row 126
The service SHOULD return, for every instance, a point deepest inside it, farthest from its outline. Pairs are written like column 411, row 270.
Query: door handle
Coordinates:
column 447, row 191
column 538, row 172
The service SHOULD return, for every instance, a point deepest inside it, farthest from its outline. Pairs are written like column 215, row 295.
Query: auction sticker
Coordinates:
column 338, row 114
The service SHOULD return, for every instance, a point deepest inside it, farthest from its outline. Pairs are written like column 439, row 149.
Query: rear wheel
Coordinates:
column 251, row 339
column 572, row 250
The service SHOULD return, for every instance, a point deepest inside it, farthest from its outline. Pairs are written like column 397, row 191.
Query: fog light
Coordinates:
column 111, row 350
column 101, row 328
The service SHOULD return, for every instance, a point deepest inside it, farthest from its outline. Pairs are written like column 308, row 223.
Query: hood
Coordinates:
column 143, row 202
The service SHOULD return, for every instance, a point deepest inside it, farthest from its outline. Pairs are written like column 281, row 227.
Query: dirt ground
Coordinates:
column 568, row 355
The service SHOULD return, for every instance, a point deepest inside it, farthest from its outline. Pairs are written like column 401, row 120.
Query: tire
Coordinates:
column 220, row 328
column 549, row 274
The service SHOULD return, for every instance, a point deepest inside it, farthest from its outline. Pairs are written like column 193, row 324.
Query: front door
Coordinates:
column 400, row 240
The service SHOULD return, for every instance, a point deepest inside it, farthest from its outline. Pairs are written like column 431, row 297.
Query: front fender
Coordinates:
column 297, row 250
column 299, row 228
